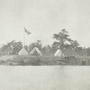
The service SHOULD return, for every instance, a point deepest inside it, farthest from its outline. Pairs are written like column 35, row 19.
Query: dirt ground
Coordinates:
column 44, row 78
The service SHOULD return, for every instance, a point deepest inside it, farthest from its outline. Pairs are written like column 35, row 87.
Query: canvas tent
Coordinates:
column 36, row 52
column 23, row 52
column 59, row 53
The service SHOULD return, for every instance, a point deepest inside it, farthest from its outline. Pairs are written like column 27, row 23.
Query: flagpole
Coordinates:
column 27, row 32
column 23, row 38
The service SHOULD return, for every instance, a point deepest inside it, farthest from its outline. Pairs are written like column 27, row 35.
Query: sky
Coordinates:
column 43, row 18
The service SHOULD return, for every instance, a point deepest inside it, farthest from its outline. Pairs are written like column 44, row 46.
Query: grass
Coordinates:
column 34, row 60
column 45, row 60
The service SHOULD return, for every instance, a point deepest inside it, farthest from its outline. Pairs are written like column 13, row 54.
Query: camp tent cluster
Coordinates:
column 36, row 52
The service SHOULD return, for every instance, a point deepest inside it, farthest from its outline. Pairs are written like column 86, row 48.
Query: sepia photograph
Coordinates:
column 44, row 45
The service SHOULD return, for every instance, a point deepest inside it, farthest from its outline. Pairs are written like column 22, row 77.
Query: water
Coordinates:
column 44, row 78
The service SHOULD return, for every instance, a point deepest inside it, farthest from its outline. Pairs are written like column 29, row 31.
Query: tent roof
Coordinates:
column 58, row 53
column 37, row 50
column 23, row 52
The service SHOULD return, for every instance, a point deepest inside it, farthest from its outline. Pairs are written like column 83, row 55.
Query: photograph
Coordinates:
column 44, row 44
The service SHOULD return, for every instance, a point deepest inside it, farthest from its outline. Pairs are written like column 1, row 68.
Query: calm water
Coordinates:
column 44, row 78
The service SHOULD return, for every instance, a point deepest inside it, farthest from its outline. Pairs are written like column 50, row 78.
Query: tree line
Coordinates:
column 62, row 41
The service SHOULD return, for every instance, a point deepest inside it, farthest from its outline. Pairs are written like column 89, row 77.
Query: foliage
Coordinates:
column 47, row 50
column 62, row 39
column 37, row 44
column 12, row 47
column 65, row 43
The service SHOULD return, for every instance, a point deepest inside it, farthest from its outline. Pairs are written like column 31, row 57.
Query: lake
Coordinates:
column 44, row 78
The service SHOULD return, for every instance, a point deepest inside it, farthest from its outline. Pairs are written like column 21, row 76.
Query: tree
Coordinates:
column 37, row 44
column 17, row 46
column 79, row 51
column 47, row 50
column 12, row 47
column 74, row 44
column 62, row 38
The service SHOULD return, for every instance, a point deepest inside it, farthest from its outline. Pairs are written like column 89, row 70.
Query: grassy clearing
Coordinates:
column 45, row 60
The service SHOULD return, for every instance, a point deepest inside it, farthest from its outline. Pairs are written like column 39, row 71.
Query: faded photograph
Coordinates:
column 44, row 45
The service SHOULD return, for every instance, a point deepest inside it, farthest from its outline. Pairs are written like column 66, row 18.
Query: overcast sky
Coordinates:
column 44, row 18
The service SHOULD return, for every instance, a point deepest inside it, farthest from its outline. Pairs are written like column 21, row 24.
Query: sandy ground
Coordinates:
column 44, row 78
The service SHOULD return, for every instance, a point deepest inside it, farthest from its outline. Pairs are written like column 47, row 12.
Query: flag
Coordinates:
column 26, row 31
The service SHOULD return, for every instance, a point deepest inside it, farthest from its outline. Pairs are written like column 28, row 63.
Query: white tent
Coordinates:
column 23, row 52
column 59, row 53
column 36, row 52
